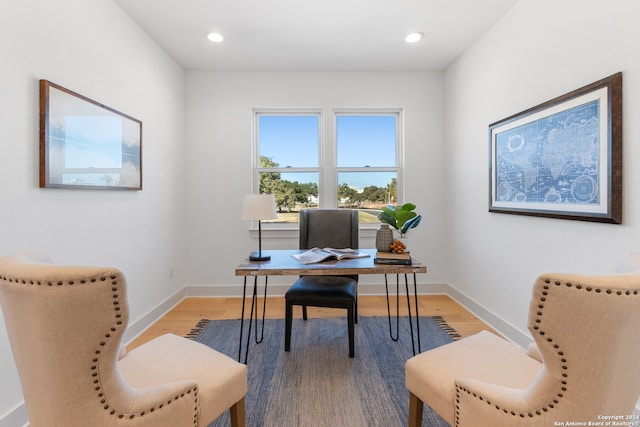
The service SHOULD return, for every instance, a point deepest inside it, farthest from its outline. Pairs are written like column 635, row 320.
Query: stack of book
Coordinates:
column 393, row 258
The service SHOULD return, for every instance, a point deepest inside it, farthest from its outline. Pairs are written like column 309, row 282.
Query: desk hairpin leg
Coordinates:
column 415, row 294
column 253, row 316
column 386, row 285
column 415, row 297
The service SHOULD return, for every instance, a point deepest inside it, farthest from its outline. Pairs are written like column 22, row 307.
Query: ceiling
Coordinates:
column 315, row 35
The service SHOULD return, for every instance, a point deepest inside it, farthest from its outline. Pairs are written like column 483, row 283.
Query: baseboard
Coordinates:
column 279, row 289
column 140, row 325
column 509, row 331
column 16, row 417
column 505, row 328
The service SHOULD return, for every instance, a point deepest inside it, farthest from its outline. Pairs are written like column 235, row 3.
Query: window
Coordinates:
column 367, row 166
column 356, row 164
column 288, row 160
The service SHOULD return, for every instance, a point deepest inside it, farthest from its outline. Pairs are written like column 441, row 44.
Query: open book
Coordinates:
column 316, row 255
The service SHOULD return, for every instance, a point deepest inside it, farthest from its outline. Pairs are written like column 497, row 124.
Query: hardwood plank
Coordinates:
column 186, row 314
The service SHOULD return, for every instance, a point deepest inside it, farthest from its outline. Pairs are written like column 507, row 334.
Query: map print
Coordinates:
column 551, row 160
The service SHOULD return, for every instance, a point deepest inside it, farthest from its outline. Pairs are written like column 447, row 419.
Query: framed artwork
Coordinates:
column 84, row 144
column 561, row 159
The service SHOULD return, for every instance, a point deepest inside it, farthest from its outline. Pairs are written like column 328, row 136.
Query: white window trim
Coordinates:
column 255, row 142
column 327, row 149
column 399, row 166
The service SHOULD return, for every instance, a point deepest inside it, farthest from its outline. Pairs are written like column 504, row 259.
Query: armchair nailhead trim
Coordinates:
column 96, row 360
column 118, row 322
column 563, row 387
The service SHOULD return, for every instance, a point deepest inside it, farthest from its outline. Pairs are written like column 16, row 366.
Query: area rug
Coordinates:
column 316, row 384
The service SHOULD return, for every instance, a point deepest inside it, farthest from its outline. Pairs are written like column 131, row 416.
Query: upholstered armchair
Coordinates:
column 583, row 365
column 65, row 326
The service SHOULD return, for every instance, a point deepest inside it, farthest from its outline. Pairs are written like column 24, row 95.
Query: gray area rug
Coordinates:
column 316, row 384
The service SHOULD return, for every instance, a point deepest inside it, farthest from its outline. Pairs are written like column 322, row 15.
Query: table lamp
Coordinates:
column 259, row 207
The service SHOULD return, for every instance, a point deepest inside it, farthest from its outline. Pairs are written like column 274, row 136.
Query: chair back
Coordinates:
column 65, row 326
column 329, row 228
column 587, row 329
column 333, row 228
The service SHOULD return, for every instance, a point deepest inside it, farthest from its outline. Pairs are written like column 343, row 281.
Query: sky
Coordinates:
column 93, row 142
column 361, row 140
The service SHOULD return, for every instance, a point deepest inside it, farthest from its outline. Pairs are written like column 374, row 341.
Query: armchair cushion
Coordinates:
column 483, row 357
column 170, row 358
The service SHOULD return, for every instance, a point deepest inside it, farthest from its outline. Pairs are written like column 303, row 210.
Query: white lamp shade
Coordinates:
column 258, row 207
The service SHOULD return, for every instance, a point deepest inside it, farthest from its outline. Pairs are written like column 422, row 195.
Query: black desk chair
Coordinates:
column 334, row 228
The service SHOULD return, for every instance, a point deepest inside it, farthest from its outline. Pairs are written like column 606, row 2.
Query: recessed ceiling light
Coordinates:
column 414, row 37
column 215, row 37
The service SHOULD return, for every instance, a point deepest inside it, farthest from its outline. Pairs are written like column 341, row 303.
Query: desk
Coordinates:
column 283, row 264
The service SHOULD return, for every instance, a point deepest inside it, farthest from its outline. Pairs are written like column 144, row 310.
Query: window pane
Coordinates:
column 361, row 157
column 366, row 140
column 292, row 191
column 289, row 140
column 366, row 189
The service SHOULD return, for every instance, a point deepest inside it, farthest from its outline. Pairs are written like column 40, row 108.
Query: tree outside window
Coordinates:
column 358, row 162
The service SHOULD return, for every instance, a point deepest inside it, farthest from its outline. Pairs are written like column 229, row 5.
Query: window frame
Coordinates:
column 327, row 168
column 399, row 147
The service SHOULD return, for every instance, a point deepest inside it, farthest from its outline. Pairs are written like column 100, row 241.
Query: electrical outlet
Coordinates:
column 171, row 271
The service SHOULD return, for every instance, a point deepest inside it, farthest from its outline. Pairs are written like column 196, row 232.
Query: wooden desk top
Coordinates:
column 283, row 264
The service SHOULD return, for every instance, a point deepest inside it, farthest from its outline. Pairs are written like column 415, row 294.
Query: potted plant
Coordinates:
column 402, row 218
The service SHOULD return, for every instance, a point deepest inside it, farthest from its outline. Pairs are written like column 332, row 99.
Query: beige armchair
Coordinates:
column 583, row 366
column 65, row 325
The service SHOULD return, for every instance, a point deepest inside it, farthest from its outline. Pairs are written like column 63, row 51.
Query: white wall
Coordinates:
column 219, row 114
column 540, row 50
column 93, row 48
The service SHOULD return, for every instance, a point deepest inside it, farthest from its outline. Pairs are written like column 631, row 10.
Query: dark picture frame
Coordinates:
column 85, row 144
column 563, row 158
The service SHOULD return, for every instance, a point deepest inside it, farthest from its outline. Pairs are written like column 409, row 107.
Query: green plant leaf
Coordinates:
column 411, row 223
column 388, row 218
column 402, row 218
column 388, row 211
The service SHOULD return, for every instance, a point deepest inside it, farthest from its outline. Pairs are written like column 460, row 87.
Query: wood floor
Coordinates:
column 184, row 316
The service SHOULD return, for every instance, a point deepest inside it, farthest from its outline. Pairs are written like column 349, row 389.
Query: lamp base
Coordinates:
column 258, row 256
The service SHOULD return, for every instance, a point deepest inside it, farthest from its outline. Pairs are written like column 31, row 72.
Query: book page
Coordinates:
column 345, row 253
column 313, row 256
column 316, row 255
